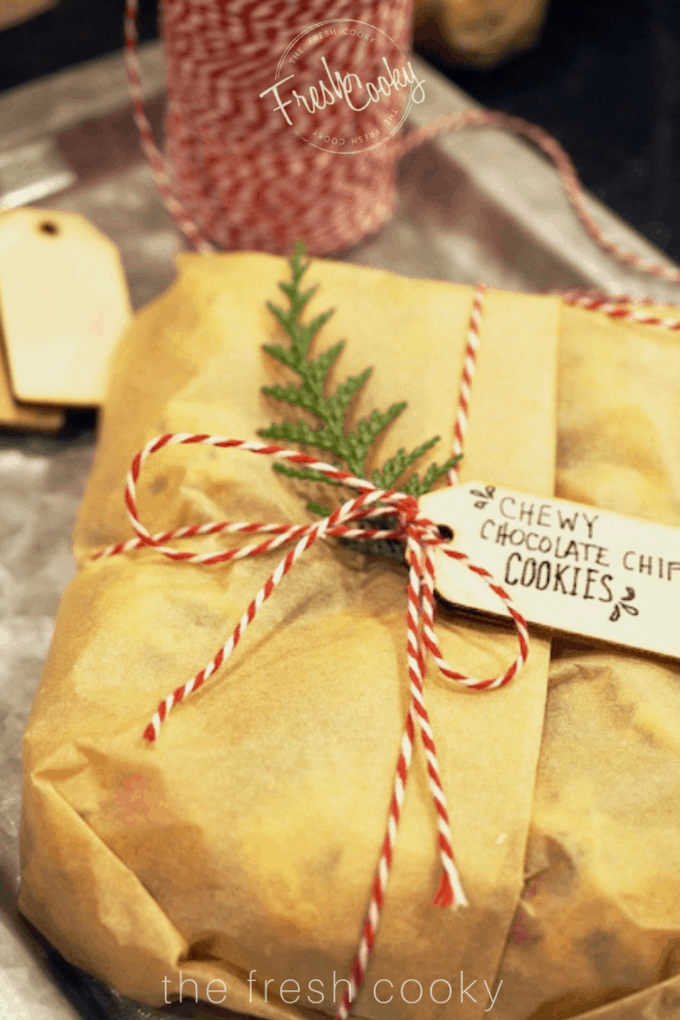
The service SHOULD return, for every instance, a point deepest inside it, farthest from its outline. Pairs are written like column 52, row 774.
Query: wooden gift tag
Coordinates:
column 567, row 566
column 64, row 302
column 21, row 416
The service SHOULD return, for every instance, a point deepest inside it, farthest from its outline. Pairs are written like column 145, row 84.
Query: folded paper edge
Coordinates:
column 45, row 869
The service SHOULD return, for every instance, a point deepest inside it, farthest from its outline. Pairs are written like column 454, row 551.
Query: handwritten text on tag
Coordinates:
column 567, row 566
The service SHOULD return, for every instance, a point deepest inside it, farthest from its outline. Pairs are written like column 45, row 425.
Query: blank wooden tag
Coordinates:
column 47, row 419
column 64, row 303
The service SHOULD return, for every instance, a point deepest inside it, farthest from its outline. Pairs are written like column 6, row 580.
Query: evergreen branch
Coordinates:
column 395, row 466
column 337, row 405
column 317, row 370
column 320, row 511
column 356, row 444
column 351, row 447
column 307, row 333
column 282, row 355
column 300, row 336
column 414, row 487
column 298, row 300
column 308, row 474
column 300, row 432
column 300, row 397
column 324, row 362
column 286, row 319
column 298, row 267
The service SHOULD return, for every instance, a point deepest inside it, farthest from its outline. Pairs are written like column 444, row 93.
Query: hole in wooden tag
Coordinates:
column 47, row 227
column 446, row 532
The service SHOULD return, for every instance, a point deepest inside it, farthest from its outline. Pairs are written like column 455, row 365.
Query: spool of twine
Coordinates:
column 243, row 176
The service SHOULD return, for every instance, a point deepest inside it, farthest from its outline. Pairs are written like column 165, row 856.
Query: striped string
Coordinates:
column 218, row 203
column 560, row 160
column 469, row 365
column 236, row 176
column 419, row 535
column 234, row 182
column 615, row 307
column 421, row 622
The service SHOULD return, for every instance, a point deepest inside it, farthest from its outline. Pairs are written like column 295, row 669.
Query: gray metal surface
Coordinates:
column 473, row 205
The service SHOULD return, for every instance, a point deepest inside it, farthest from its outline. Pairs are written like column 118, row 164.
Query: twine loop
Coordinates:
column 351, row 520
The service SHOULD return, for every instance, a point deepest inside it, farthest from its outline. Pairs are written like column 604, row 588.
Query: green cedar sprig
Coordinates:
column 330, row 435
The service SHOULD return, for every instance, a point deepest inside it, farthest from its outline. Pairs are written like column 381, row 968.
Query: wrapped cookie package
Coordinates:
column 237, row 852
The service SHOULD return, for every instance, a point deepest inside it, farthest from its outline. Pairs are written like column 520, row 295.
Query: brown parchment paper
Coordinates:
column 599, row 918
column 246, row 839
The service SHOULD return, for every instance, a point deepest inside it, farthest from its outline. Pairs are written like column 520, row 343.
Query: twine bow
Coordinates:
column 420, row 536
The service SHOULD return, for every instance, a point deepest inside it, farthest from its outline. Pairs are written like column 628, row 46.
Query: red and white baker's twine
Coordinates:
column 469, row 364
column 238, row 178
column 616, row 307
column 213, row 187
column 420, row 535
column 560, row 160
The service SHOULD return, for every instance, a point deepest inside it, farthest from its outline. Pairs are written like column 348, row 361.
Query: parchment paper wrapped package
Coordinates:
column 246, row 839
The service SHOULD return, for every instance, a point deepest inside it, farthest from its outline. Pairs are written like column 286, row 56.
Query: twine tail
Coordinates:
column 444, row 897
column 450, row 893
